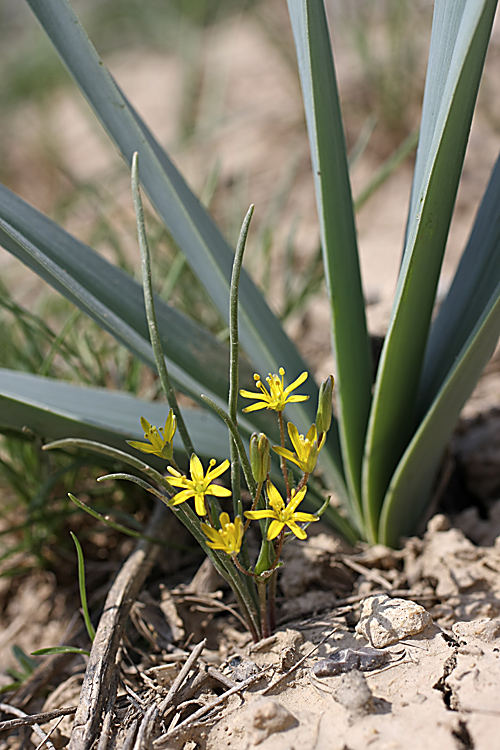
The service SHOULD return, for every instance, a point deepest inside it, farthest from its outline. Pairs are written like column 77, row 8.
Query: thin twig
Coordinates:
column 28, row 720
column 371, row 575
column 210, row 706
column 36, row 727
column 298, row 664
column 181, row 676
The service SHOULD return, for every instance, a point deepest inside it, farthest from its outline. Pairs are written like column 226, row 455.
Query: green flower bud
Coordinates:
column 266, row 558
column 260, row 460
column 324, row 413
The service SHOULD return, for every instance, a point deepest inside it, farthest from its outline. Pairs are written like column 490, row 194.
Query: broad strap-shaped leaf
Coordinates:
column 55, row 410
column 193, row 230
column 113, row 299
column 411, row 486
column 445, row 28
column 475, row 280
column 393, row 416
column 207, row 252
column 338, row 233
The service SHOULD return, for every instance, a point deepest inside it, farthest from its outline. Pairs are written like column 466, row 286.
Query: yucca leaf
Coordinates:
column 393, row 416
column 338, row 233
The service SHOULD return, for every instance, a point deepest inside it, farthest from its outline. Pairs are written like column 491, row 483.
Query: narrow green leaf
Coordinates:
column 393, row 416
column 412, row 482
column 338, row 233
column 83, row 588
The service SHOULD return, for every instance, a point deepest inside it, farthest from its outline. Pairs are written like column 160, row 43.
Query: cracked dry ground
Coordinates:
column 439, row 687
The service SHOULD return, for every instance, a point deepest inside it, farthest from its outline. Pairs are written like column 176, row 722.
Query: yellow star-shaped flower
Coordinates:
column 283, row 515
column 228, row 537
column 277, row 396
column 199, row 485
column 306, row 448
column 160, row 440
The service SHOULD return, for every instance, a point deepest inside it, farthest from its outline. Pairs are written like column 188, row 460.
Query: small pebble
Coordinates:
column 384, row 620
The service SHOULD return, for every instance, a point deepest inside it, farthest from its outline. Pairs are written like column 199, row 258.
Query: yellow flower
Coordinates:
column 306, row 448
column 228, row 537
column 199, row 485
column 160, row 440
column 283, row 515
column 277, row 396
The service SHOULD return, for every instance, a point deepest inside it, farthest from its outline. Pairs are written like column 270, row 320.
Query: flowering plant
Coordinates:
column 384, row 448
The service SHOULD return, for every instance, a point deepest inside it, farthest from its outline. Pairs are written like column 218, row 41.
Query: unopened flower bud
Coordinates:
column 260, row 460
column 324, row 413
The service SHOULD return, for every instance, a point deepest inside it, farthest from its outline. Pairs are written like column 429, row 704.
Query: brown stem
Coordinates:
column 302, row 482
column 271, row 598
column 254, row 505
column 264, row 625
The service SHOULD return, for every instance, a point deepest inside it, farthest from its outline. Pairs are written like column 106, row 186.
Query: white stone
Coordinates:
column 384, row 621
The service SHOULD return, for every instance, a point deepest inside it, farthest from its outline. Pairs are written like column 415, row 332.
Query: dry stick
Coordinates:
column 146, row 728
column 53, row 729
column 28, row 720
column 108, row 713
column 36, row 727
column 181, row 676
column 368, row 573
column 102, row 658
column 206, row 709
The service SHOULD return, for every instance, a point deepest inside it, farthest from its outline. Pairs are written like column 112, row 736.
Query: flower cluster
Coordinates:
column 277, row 510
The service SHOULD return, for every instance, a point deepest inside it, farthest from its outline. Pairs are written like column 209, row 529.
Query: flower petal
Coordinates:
column 218, row 491
column 196, row 468
column 256, row 515
column 249, row 394
column 181, row 497
column 302, row 377
column 274, row 496
column 299, row 533
column 199, row 505
column 213, row 473
column 305, row 517
column 254, row 407
column 274, row 529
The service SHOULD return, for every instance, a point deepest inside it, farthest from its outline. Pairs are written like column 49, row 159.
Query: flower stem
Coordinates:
column 150, row 310
column 234, row 358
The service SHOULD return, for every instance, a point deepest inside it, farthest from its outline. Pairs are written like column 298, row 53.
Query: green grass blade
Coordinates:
column 475, row 280
column 393, row 416
column 412, row 482
column 338, row 232
column 54, row 410
column 83, row 588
